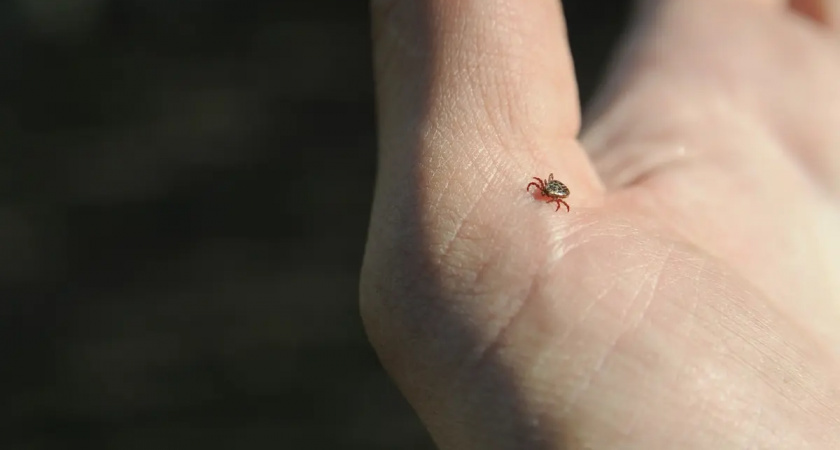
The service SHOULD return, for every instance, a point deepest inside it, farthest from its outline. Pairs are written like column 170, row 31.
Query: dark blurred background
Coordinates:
column 184, row 197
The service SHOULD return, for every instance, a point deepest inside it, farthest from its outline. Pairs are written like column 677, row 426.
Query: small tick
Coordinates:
column 551, row 188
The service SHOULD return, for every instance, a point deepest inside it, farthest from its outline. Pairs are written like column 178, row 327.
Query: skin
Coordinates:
column 690, row 299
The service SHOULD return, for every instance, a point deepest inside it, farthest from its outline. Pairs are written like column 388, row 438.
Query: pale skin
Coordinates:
column 690, row 299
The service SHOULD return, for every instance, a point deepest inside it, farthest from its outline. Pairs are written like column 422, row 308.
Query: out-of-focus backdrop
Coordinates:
column 184, row 196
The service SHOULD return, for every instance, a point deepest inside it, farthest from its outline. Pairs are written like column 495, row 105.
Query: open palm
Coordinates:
column 690, row 299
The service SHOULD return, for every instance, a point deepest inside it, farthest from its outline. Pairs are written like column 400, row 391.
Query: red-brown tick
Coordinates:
column 551, row 188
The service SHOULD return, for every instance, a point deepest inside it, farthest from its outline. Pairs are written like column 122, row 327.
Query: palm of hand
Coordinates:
column 688, row 300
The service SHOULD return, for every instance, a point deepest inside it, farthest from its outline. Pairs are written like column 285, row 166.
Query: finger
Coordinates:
column 821, row 155
column 476, row 84
column 748, row 56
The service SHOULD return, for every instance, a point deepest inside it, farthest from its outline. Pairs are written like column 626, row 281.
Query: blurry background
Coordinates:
column 184, row 196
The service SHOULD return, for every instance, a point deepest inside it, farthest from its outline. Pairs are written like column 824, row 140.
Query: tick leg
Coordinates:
column 540, row 186
column 559, row 201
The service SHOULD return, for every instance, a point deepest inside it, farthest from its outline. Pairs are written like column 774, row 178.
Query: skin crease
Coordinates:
column 690, row 299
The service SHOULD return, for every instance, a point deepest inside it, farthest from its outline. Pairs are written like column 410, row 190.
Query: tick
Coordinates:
column 551, row 188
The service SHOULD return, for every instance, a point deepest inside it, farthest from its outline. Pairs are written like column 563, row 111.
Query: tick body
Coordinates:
column 551, row 188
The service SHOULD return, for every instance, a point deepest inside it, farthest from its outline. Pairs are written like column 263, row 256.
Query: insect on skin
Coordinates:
column 551, row 188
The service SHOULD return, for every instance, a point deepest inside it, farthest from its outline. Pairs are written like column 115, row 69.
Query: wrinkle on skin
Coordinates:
column 496, row 343
column 610, row 348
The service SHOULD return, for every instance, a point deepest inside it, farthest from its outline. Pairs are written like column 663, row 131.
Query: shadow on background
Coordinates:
column 184, row 196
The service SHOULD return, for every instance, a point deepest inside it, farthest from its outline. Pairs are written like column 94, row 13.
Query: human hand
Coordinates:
column 690, row 299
